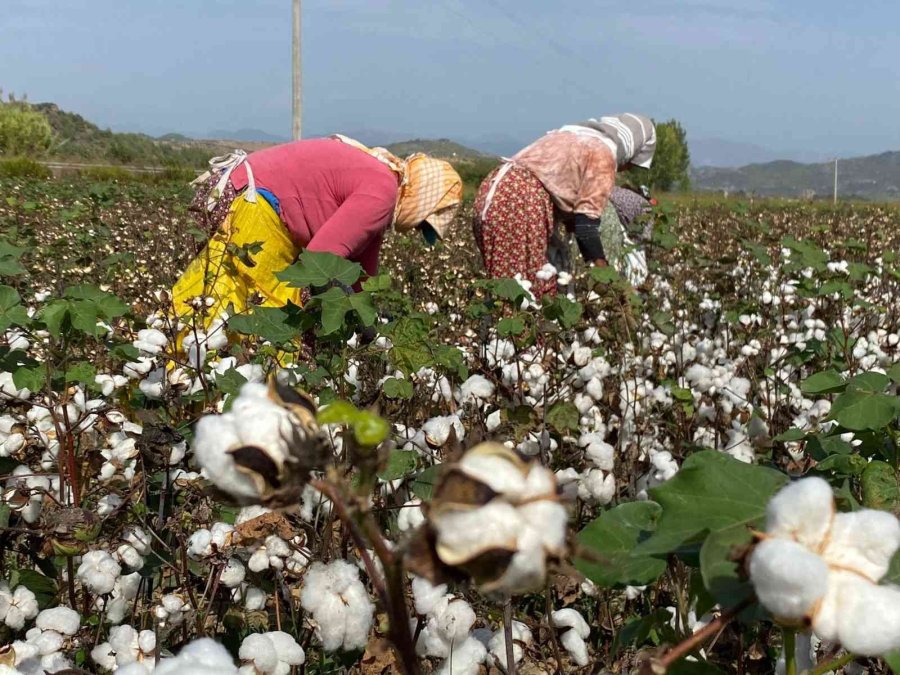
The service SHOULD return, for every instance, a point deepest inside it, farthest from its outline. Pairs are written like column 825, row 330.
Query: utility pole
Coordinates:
column 835, row 180
column 298, row 75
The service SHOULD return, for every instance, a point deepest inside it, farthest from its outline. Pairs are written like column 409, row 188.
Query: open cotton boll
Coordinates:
column 63, row 620
column 233, row 573
column 18, row 606
column 575, row 645
column 150, row 341
column 476, row 388
column 597, row 487
column 802, row 511
column 788, row 578
column 340, row 606
column 570, row 618
column 274, row 652
column 98, row 571
column 602, row 454
column 410, row 515
column 521, row 635
column 863, row 541
column 201, row 657
column 465, row 658
column 869, row 618
column 426, row 595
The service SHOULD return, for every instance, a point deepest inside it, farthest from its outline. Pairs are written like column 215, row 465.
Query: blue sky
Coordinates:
column 795, row 76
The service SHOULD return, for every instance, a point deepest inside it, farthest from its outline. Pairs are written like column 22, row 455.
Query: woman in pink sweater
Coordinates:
column 331, row 195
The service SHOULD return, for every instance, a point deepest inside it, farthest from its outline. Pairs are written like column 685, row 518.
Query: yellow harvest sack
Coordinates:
column 224, row 272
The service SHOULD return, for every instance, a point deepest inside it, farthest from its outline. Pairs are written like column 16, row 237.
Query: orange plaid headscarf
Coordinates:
column 430, row 189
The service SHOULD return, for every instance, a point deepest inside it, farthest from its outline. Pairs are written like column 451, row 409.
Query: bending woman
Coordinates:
column 333, row 195
column 565, row 178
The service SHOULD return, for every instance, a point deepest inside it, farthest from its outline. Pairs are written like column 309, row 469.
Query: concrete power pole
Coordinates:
column 835, row 180
column 298, row 75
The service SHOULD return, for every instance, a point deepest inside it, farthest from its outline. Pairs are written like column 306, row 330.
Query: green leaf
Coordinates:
column 510, row 326
column 712, row 491
column 370, row 429
column 791, row 435
column 335, row 305
column 315, row 268
column 508, row 289
column 826, row 382
column 638, row 630
column 31, row 377
column 55, row 315
column 423, row 484
column 893, row 661
column 880, row 487
column 566, row 312
column 859, row 410
column 719, row 571
column 563, row 417
column 11, row 310
column 613, row 537
column 820, row 446
column 893, row 573
column 399, row 464
column 843, row 465
column 4, row 515
column 82, row 372
column 108, row 305
column 362, row 304
column 605, row 275
column 382, row 282
column 894, row 372
column 269, row 323
column 230, row 382
column 337, row 412
column 870, row 381
column 394, row 387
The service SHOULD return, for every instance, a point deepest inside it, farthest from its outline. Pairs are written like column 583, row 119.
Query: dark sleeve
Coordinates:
column 587, row 235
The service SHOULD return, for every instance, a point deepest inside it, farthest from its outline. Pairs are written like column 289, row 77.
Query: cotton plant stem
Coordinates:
column 789, row 644
column 831, row 665
column 687, row 646
column 390, row 586
column 508, row 636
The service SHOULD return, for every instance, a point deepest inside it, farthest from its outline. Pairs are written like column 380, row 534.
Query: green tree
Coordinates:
column 672, row 159
column 23, row 131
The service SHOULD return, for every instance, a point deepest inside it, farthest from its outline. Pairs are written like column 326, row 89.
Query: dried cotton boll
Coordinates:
column 340, row 606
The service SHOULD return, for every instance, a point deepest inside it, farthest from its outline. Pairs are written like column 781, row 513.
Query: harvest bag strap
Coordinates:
column 225, row 164
column 507, row 165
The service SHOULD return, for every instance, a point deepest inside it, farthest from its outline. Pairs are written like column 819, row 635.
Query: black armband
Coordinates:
column 587, row 235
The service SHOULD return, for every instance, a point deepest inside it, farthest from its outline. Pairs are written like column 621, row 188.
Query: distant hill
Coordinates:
column 870, row 177
column 442, row 147
column 720, row 152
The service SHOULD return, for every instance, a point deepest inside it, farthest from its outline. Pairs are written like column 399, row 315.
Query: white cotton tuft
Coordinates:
column 574, row 643
column 802, row 511
column 864, row 541
column 570, row 618
column 521, row 635
column 339, row 604
column 233, row 573
column 788, row 578
column 98, row 571
column 201, row 657
column 870, row 619
column 426, row 595
column 63, row 620
column 464, row 659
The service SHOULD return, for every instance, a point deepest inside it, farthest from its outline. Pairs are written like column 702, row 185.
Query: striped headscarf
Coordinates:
column 634, row 136
column 430, row 189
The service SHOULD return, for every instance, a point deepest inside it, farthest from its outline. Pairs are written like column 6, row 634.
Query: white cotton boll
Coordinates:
column 108, row 504
column 602, row 454
column 201, row 657
column 863, row 541
column 802, row 511
column 63, row 620
column 597, row 487
column 594, row 388
column 199, row 544
column 788, row 578
column 437, row 430
column 151, row 341
column 476, row 388
column 464, row 659
column 869, row 621
column 233, row 573
column 410, row 516
column 494, row 420
column 259, row 561
column 339, row 604
column 128, row 555
column 104, row 656
column 98, row 571
column 136, row 668
column 46, row 641
column 570, row 618
column 290, row 653
column 18, row 606
column 140, row 540
column 454, row 619
column 426, row 595
column 254, row 598
column 259, row 651
column 575, row 645
column 154, row 385
column 8, row 388
column 521, row 634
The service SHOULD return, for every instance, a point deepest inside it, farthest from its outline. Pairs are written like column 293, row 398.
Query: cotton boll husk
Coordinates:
column 802, row 511
column 864, row 541
column 788, row 578
column 496, row 471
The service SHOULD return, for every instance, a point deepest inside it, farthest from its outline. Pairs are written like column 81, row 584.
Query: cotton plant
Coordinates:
column 447, row 633
column 17, row 606
column 823, row 567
